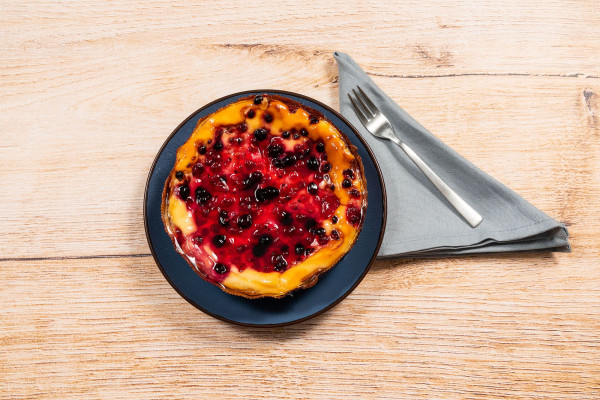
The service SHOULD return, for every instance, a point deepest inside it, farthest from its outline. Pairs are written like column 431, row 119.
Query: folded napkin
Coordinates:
column 420, row 221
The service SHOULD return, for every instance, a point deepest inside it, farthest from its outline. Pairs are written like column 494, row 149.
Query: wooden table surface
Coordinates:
column 89, row 92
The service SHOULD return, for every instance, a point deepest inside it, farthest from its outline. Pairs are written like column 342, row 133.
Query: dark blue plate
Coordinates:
column 332, row 287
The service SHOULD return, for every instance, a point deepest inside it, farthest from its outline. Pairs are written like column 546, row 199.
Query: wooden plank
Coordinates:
column 497, row 327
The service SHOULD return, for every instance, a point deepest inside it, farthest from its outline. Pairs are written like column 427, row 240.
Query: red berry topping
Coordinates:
column 313, row 163
column 184, row 191
column 262, row 201
column 353, row 214
column 260, row 134
column 219, row 240
column 197, row 170
column 220, row 268
column 244, row 221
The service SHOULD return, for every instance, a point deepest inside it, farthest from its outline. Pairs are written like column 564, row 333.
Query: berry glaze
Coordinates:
column 264, row 197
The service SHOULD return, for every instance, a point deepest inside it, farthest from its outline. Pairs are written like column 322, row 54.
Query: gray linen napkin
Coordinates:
column 420, row 221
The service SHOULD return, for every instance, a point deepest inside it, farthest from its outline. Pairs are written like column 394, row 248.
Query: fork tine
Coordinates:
column 362, row 106
column 372, row 107
column 361, row 116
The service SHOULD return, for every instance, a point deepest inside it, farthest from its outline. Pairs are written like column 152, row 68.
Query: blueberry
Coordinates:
column 313, row 163
column 346, row 183
column 273, row 192
column 296, row 136
column 278, row 163
column 285, row 134
column 265, row 240
column 312, row 188
column 202, row 149
column 310, row 223
column 179, row 175
column 332, row 186
column 251, row 114
column 303, row 132
column 223, row 218
column 197, row 170
column 323, row 240
column 354, row 193
column 244, row 221
column 285, row 218
column 260, row 134
column 289, row 160
column 353, row 214
column 258, row 99
column 348, row 173
column 320, row 231
column 299, row 249
column 218, row 145
column 261, row 248
column 220, row 268
column 280, row 263
column 326, row 168
column 314, row 120
column 256, row 176
column 266, row 194
column 268, row 117
column 252, row 179
column 184, row 191
column 320, row 147
column 334, row 219
column 202, row 195
column 275, row 150
column 335, row 235
column 219, row 240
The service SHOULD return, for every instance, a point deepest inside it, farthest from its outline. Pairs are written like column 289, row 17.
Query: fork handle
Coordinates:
column 468, row 213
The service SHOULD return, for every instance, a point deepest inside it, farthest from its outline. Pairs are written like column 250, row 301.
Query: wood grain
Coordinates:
column 89, row 91
column 506, row 326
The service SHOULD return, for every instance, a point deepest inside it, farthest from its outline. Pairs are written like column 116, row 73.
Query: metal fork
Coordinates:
column 379, row 126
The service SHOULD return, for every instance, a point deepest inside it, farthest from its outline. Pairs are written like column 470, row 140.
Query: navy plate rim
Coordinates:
column 283, row 93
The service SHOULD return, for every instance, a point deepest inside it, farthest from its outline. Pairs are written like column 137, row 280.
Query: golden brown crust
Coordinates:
column 309, row 280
